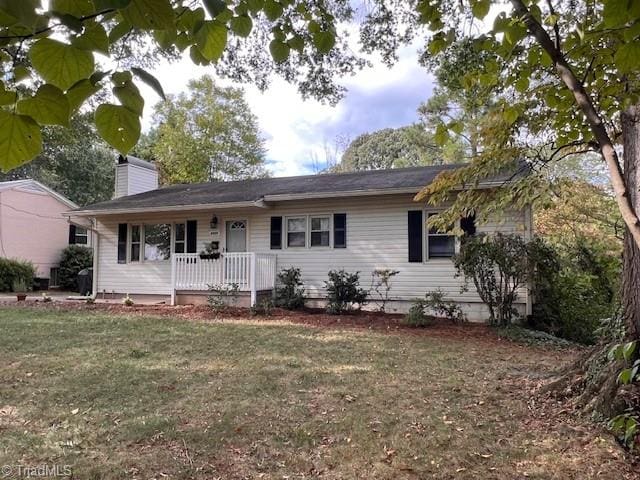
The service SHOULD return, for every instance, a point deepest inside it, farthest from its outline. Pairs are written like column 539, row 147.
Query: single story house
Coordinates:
column 33, row 227
column 151, row 242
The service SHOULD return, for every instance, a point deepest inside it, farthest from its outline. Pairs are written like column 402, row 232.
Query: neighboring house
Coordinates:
column 33, row 227
column 149, row 243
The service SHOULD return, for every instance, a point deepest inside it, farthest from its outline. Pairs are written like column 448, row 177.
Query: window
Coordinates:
column 157, row 241
column 297, row 232
column 319, row 231
column 440, row 245
column 81, row 236
column 135, row 243
column 180, row 238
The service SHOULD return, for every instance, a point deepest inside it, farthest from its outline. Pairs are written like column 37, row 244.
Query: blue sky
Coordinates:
column 298, row 131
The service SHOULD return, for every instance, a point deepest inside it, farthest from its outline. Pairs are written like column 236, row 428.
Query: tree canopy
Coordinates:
column 206, row 133
column 74, row 162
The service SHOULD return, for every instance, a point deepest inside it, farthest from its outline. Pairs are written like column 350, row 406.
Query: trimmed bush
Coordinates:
column 344, row 292
column 74, row 258
column 437, row 303
column 12, row 270
column 417, row 315
column 290, row 293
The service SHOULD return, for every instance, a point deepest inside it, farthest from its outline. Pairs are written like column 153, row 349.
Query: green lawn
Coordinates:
column 141, row 397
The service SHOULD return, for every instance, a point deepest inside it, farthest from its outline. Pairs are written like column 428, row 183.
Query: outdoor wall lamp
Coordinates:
column 214, row 222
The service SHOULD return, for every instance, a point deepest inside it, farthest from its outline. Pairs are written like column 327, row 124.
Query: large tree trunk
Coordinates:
column 631, row 252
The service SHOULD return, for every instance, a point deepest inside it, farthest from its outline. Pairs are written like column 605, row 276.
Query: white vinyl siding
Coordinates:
column 376, row 239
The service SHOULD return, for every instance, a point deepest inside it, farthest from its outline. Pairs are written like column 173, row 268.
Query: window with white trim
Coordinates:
column 134, row 249
column 439, row 244
column 180, row 237
column 296, row 231
column 81, row 237
column 320, row 231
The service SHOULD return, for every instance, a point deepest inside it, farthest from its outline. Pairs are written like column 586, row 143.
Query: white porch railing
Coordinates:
column 252, row 272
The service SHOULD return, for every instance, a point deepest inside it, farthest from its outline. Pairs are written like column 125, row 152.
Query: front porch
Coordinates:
column 252, row 272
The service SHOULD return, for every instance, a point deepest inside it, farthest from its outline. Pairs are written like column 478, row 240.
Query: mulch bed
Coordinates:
column 363, row 320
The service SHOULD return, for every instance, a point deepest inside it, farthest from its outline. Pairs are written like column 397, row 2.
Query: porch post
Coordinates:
column 173, row 279
column 252, row 280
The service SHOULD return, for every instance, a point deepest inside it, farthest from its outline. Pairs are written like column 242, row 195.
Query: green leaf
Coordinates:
column 20, row 72
column 77, row 8
column 20, row 140
column 150, row 80
column 130, row 97
column 324, row 41
column 480, row 8
column 522, row 84
column 79, row 92
column 93, row 38
column 279, row 51
column 214, row 7
column 296, row 42
column 48, row 106
column 149, row 14
column 628, row 349
column 119, row 31
column 273, row 10
column 165, row 38
column 7, row 97
column 242, row 25
column 624, row 377
column 71, row 22
column 121, row 78
column 196, row 56
column 102, row 5
column 211, row 39
column 118, row 126
column 22, row 12
column 59, row 63
column 441, row 136
column 615, row 12
column 510, row 115
column 255, row 5
column 627, row 58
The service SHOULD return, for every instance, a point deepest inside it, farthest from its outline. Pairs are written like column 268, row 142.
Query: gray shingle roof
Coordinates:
column 255, row 190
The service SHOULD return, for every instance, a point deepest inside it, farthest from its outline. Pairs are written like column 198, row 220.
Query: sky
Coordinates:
column 296, row 131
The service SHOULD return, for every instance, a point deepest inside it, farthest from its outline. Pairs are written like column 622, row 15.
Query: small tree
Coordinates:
column 381, row 285
column 344, row 291
column 74, row 258
column 498, row 266
column 290, row 293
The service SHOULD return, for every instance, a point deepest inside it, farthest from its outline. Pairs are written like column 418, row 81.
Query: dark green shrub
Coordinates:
column 74, row 258
column 12, row 270
column 417, row 315
column 575, row 288
column 290, row 293
column 498, row 265
column 436, row 302
column 344, row 292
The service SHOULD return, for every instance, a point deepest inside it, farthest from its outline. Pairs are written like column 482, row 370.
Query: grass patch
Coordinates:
column 143, row 397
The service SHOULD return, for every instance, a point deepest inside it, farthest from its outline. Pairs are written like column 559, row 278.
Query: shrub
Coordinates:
column 498, row 266
column 127, row 301
column 265, row 307
column 417, row 315
column 19, row 285
column 74, row 258
column 574, row 289
column 381, row 285
column 223, row 296
column 344, row 291
column 437, row 303
column 12, row 270
column 290, row 293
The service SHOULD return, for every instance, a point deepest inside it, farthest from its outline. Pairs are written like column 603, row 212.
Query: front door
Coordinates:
column 236, row 235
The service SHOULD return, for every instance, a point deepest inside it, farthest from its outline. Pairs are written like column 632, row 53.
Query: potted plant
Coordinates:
column 210, row 251
column 19, row 287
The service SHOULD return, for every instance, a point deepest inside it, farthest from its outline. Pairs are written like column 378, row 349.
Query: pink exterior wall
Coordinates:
column 32, row 228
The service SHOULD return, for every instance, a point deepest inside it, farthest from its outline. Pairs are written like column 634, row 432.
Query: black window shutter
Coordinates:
column 468, row 224
column 192, row 236
column 276, row 233
column 414, row 223
column 72, row 234
column 339, row 230
column 122, row 243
